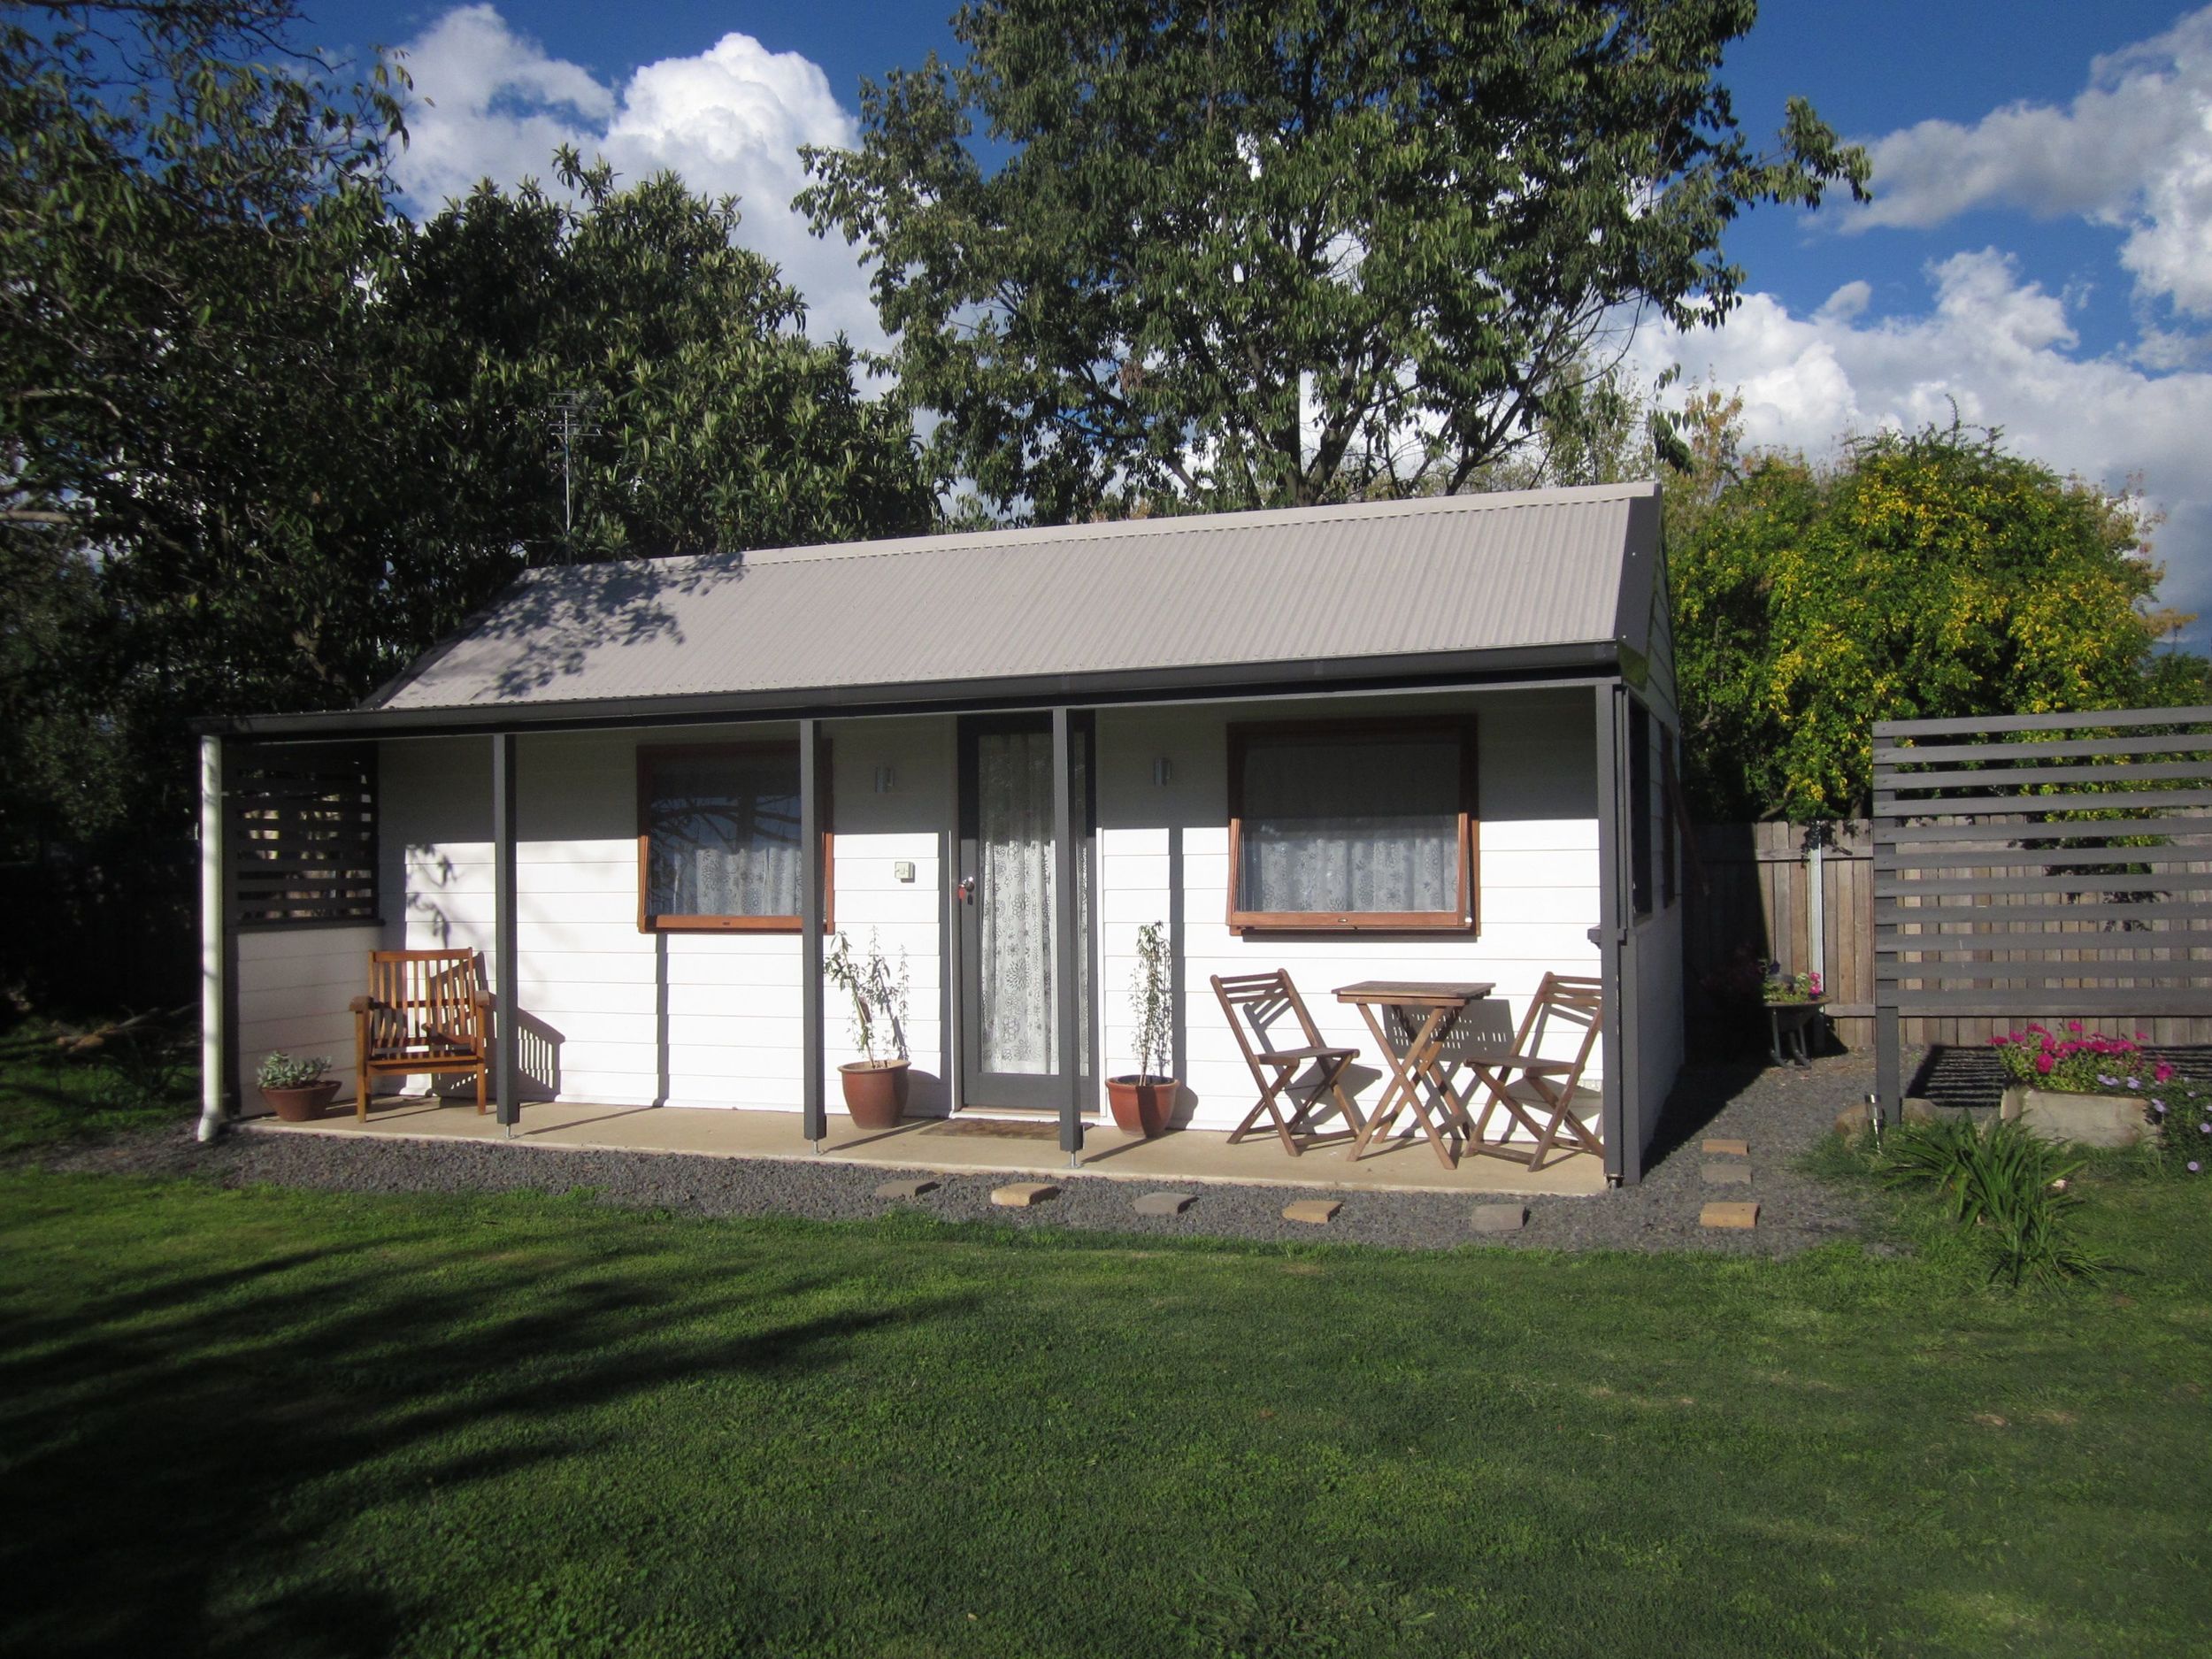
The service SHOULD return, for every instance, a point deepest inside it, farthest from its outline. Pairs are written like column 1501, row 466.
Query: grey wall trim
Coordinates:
column 813, row 1107
column 1624, row 1150
column 1542, row 665
column 507, row 963
column 1066, row 849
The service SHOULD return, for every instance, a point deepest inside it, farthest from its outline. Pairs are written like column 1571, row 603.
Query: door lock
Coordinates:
column 967, row 889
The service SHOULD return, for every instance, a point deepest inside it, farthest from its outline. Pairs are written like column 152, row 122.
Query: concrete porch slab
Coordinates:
column 1179, row 1156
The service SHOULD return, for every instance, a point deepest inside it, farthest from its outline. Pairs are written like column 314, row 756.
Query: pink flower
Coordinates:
column 2073, row 1025
column 2162, row 1072
column 2043, row 1062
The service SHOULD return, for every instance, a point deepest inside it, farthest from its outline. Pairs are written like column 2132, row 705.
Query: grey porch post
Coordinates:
column 1610, row 935
column 507, row 982
column 813, row 1112
column 214, row 955
column 1065, row 850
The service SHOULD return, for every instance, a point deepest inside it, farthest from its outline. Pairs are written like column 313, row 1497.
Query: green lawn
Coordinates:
column 262, row 1422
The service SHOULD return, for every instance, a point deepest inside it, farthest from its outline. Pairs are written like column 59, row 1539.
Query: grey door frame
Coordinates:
column 1042, row 1091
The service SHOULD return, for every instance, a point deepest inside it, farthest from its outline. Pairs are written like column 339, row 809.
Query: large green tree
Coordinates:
column 261, row 439
column 1244, row 252
column 1934, row 575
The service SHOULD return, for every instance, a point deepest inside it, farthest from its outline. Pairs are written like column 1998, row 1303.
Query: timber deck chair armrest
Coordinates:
column 427, row 1012
column 1254, row 1003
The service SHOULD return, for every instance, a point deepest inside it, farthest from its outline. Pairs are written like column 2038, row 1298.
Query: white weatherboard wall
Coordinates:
column 610, row 1014
column 294, row 986
column 1539, row 892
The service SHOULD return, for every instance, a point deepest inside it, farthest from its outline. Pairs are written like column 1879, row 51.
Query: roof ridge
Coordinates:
column 1118, row 529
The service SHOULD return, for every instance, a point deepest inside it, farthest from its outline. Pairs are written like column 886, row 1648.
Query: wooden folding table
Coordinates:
column 1416, row 1054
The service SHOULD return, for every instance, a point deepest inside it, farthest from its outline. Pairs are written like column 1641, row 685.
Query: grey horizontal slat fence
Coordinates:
column 2037, row 866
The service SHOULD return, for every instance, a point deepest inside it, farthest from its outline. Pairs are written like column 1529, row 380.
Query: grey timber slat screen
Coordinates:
column 2042, row 866
column 303, row 836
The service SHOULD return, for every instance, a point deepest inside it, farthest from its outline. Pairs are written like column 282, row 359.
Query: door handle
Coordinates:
column 967, row 889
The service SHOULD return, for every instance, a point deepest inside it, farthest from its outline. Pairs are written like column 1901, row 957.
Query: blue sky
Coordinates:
column 2045, row 258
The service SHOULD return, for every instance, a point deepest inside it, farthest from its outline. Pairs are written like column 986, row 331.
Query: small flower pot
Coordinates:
column 1140, row 1106
column 2089, row 1120
column 304, row 1104
column 875, row 1092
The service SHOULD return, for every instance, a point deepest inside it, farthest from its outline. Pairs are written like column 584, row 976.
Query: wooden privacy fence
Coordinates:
column 2042, row 866
column 1756, row 900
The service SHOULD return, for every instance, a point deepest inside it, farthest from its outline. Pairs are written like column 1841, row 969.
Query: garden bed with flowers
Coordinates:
column 2145, row 1097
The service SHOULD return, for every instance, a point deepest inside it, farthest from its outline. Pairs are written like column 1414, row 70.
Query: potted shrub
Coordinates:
column 1141, row 1101
column 1793, row 1004
column 296, row 1090
column 2082, row 1086
column 875, row 1086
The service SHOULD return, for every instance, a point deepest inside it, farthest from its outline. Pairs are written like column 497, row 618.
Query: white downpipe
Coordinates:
column 1816, row 904
column 214, row 992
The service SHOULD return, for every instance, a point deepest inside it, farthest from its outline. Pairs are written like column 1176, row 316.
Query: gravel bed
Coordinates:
column 1780, row 1113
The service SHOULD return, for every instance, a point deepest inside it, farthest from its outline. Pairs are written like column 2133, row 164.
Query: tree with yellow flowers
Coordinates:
column 1925, row 575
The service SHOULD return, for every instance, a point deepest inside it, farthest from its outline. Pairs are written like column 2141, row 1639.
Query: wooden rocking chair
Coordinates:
column 1523, row 1082
column 1300, row 1075
column 427, row 1012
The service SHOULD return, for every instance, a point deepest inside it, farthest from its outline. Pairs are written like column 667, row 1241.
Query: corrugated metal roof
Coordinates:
column 1450, row 576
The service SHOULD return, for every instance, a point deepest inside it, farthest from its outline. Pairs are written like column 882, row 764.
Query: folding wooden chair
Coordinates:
column 427, row 1012
column 1525, row 1082
column 1300, row 1075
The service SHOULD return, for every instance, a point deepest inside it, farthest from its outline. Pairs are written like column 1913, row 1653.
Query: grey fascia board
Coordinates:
column 1370, row 674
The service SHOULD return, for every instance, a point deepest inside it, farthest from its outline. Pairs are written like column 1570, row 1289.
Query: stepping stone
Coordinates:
column 1736, row 1215
column 913, row 1188
column 1729, row 1174
column 1315, row 1213
column 1165, row 1203
column 1728, row 1148
column 1022, row 1194
column 1498, row 1217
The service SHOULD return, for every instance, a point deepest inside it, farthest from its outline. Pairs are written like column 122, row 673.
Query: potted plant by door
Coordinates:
column 875, row 1086
column 1141, row 1101
column 296, row 1090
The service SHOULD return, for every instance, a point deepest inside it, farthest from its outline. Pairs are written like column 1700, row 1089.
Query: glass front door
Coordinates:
column 1009, row 995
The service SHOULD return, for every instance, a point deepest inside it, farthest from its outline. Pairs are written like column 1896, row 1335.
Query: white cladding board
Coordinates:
column 1538, row 895
column 294, row 986
column 615, row 1014
column 712, row 1019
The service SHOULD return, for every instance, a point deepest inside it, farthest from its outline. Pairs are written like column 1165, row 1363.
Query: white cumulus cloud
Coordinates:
column 491, row 104
column 2133, row 150
column 1999, row 348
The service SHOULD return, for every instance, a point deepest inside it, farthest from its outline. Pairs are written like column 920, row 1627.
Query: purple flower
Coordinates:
column 2204, row 1129
column 2194, row 1166
column 2158, row 1105
column 2135, row 1082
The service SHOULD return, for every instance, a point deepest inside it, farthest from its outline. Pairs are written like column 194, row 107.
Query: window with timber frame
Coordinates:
column 1343, row 824
column 717, row 844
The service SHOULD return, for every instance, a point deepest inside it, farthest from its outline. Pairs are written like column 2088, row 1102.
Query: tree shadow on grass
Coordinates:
column 170, row 1440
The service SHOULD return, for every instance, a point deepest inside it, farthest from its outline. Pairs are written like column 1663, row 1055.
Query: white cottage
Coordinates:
column 1409, row 741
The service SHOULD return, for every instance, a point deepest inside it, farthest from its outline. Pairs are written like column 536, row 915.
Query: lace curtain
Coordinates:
column 1349, row 827
column 1020, row 1012
column 723, row 835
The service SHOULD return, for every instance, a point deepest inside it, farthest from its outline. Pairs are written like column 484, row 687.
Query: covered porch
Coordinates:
column 645, row 839
column 1019, row 1148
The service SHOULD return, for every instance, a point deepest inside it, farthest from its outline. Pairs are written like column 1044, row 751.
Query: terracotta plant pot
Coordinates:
column 1141, row 1108
column 304, row 1104
column 875, row 1092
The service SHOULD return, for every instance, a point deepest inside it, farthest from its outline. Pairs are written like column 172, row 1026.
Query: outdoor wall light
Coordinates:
column 887, row 780
column 1162, row 772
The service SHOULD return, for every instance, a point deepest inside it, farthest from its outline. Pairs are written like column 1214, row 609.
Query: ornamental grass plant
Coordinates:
column 2010, row 1188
